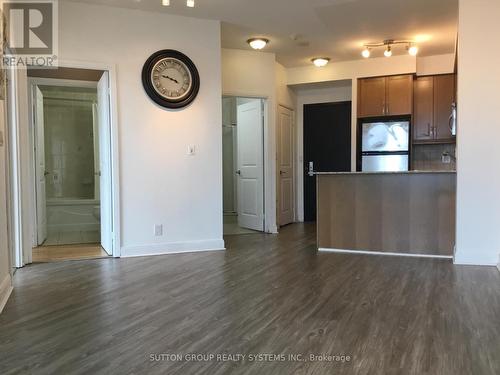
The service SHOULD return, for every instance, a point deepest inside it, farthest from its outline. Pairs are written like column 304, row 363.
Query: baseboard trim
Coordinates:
column 364, row 252
column 172, row 248
column 5, row 291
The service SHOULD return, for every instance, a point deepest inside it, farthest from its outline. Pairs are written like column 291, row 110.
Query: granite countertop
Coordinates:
column 368, row 173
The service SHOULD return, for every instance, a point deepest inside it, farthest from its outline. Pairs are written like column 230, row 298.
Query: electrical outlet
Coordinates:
column 158, row 230
column 446, row 158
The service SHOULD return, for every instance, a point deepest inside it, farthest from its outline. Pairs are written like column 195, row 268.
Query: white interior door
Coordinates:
column 40, row 171
column 104, row 137
column 285, row 166
column 250, row 163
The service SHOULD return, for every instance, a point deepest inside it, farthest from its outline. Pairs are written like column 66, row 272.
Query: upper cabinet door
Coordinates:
column 399, row 95
column 371, row 97
column 423, row 123
column 444, row 96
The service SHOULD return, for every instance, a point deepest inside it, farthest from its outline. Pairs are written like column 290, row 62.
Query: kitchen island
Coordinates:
column 409, row 213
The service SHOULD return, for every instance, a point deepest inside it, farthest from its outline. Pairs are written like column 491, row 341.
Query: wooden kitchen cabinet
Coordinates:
column 399, row 94
column 423, row 115
column 371, row 102
column 385, row 96
column 433, row 97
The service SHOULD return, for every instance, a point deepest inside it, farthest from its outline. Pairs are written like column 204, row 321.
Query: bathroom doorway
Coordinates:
column 71, row 171
column 243, row 165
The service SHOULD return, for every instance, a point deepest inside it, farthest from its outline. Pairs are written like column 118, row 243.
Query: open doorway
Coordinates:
column 243, row 165
column 72, row 175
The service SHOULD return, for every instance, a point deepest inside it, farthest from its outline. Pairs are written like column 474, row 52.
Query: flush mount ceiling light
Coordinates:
column 320, row 61
column 165, row 3
column 411, row 47
column 258, row 43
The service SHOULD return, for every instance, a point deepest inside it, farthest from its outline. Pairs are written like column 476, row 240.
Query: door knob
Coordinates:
column 238, row 172
column 46, row 173
column 282, row 173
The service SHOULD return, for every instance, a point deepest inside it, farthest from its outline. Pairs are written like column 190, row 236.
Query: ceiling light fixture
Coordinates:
column 258, row 43
column 412, row 49
column 388, row 52
column 320, row 61
column 388, row 44
column 166, row 3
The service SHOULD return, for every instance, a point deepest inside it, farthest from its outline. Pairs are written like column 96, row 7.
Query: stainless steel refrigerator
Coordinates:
column 385, row 146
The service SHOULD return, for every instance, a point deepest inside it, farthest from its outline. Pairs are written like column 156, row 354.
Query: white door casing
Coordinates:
column 97, row 161
column 40, row 171
column 104, row 136
column 286, row 200
column 250, row 172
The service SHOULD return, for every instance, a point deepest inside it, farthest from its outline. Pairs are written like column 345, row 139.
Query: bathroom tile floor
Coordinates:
column 72, row 237
column 231, row 226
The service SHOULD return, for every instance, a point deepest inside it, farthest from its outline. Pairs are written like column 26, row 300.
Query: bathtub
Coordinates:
column 67, row 214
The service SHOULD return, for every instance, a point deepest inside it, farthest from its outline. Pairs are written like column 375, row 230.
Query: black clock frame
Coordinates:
column 154, row 95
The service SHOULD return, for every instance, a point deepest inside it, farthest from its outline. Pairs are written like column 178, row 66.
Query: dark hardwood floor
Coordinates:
column 267, row 294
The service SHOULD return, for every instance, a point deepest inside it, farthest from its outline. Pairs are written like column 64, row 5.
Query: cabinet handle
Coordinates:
column 387, row 109
column 429, row 132
column 383, row 108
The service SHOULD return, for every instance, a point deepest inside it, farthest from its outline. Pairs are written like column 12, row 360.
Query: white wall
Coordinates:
column 338, row 91
column 379, row 66
column 285, row 95
column 5, row 263
column 438, row 64
column 159, row 182
column 478, row 165
column 250, row 73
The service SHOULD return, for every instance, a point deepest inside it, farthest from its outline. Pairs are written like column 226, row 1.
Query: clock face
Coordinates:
column 171, row 79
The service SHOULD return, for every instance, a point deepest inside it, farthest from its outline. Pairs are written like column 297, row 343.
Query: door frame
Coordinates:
column 33, row 83
column 303, row 139
column 23, row 250
column 278, row 163
column 269, row 205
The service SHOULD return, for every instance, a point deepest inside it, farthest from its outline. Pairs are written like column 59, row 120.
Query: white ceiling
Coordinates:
column 302, row 29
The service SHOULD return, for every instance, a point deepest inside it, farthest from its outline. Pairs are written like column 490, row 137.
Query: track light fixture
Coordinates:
column 411, row 47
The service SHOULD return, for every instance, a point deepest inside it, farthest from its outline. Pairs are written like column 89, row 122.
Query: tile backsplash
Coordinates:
column 429, row 157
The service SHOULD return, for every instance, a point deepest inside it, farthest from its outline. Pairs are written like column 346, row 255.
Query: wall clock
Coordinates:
column 170, row 79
